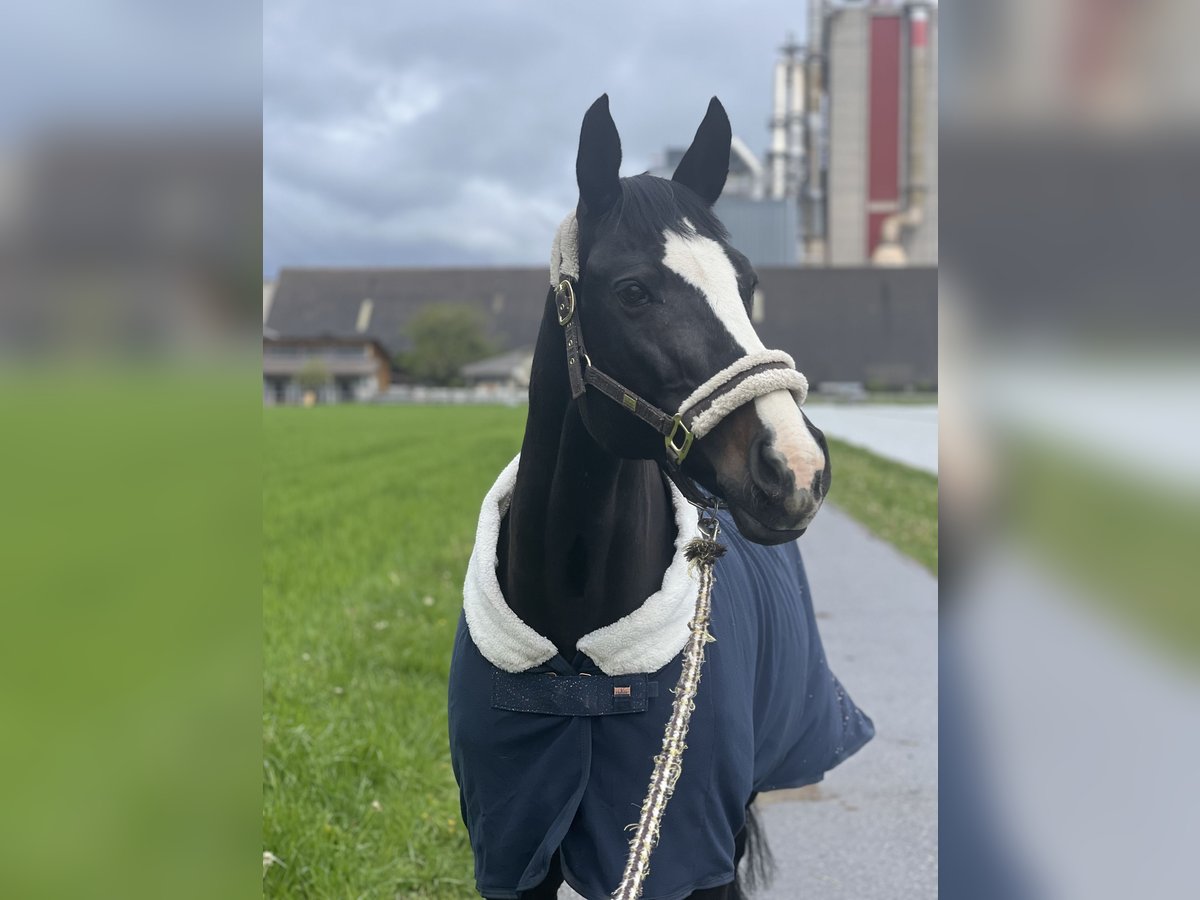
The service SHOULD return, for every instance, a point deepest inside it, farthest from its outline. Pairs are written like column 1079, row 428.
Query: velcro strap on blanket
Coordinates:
column 551, row 694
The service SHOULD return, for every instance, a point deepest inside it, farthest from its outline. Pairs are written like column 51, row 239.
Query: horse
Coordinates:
column 578, row 596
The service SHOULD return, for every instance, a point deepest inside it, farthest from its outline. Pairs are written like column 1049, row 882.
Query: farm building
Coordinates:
column 323, row 370
column 508, row 370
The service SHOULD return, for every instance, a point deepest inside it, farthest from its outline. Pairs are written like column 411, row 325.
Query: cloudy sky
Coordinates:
column 444, row 132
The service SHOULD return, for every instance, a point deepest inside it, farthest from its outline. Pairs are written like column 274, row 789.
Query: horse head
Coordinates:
column 666, row 299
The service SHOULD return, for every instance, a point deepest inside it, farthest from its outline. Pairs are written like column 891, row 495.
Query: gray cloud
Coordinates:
column 445, row 135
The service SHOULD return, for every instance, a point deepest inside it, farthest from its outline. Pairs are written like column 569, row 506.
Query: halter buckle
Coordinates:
column 677, row 452
column 564, row 298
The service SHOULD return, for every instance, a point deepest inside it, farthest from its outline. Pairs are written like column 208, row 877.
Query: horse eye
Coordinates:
column 632, row 294
column 748, row 299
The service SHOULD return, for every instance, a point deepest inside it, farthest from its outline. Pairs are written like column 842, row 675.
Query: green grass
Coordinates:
column 895, row 502
column 1129, row 541
column 368, row 519
column 906, row 398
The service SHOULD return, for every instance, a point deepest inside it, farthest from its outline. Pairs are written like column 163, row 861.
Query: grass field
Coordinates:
column 1128, row 541
column 368, row 520
column 895, row 502
column 905, row 398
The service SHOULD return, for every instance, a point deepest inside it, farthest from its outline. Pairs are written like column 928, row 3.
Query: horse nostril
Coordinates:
column 769, row 470
column 818, row 485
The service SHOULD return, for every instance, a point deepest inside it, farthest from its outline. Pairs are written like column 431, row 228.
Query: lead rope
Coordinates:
column 702, row 552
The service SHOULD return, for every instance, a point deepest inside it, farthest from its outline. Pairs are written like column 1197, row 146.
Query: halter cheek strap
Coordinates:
column 751, row 376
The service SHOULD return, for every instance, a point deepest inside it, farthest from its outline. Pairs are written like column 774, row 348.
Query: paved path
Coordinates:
column 905, row 433
column 869, row 831
column 1088, row 744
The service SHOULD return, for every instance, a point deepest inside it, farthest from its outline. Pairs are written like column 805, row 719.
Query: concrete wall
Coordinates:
column 874, row 325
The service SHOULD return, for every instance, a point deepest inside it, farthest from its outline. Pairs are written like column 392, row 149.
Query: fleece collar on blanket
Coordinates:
column 643, row 641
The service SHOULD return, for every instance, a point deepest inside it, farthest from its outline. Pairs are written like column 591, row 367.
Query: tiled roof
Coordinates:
column 326, row 302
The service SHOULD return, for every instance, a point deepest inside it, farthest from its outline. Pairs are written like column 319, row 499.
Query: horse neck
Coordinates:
column 588, row 535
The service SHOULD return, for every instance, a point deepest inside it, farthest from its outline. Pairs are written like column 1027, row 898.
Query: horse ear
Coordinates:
column 598, row 165
column 705, row 166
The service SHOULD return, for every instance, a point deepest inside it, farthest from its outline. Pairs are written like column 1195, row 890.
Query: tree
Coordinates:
column 313, row 376
column 444, row 338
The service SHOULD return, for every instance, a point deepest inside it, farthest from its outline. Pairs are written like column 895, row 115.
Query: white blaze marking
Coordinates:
column 702, row 263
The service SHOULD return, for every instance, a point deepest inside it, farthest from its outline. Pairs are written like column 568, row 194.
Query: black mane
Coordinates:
column 650, row 204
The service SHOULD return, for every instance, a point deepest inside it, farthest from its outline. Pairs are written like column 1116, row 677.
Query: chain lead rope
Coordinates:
column 703, row 553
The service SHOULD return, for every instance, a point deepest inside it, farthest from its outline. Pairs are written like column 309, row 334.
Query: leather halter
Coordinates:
column 678, row 430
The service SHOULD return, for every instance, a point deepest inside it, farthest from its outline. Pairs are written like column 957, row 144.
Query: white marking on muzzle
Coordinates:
column 777, row 410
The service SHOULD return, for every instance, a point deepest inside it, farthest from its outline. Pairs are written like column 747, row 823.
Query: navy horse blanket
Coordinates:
column 553, row 753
